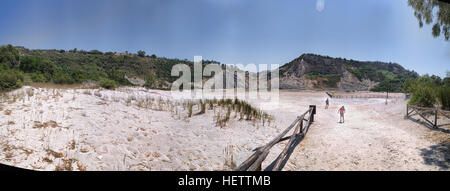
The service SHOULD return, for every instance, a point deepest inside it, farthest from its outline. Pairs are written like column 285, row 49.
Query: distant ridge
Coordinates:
column 311, row 71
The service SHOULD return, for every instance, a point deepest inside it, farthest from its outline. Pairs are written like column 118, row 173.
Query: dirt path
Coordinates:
column 374, row 137
column 51, row 129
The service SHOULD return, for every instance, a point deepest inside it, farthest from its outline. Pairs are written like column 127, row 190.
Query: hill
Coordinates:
column 310, row 71
column 20, row 65
column 75, row 66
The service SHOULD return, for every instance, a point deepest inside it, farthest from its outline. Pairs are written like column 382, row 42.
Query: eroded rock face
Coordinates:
column 351, row 82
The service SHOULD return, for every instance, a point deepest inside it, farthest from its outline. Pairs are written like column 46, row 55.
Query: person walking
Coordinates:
column 326, row 104
column 341, row 112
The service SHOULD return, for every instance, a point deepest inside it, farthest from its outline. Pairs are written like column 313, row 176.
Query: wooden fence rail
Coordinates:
column 253, row 163
column 362, row 95
column 422, row 111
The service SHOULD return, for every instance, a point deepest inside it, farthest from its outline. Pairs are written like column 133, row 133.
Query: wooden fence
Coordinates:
column 302, row 124
column 423, row 111
column 362, row 95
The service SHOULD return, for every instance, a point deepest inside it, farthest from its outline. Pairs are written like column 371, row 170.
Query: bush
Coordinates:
column 150, row 81
column 119, row 77
column 108, row 84
column 9, row 57
column 428, row 91
column 141, row 53
column 62, row 78
column 38, row 77
column 423, row 96
column 444, row 97
column 10, row 79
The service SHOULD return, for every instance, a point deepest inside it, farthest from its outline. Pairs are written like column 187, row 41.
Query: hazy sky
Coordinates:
column 230, row 31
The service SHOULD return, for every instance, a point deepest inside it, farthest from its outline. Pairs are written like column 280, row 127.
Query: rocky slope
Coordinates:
column 311, row 71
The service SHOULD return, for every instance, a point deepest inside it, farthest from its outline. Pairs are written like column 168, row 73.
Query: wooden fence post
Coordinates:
column 407, row 110
column 313, row 111
column 435, row 117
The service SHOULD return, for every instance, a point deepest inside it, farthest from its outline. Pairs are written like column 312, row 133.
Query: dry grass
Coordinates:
column 54, row 153
column 80, row 167
column 72, row 145
column 56, row 86
column 84, row 150
column 230, row 162
column 59, row 168
column 48, row 160
column 7, row 112
column 27, row 151
column 66, row 165
column 39, row 125
column 9, row 155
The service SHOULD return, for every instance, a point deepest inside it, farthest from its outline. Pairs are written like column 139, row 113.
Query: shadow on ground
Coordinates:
column 437, row 155
column 291, row 149
column 442, row 127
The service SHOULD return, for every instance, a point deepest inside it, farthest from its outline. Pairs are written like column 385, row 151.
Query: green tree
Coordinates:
column 9, row 57
column 38, row 64
column 141, row 53
column 95, row 52
column 424, row 11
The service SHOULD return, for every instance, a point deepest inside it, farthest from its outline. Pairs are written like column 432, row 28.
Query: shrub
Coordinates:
column 38, row 77
column 95, row 52
column 63, row 78
column 108, row 84
column 424, row 96
column 428, row 91
column 331, row 80
column 10, row 79
column 118, row 76
column 444, row 97
column 9, row 56
column 141, row 53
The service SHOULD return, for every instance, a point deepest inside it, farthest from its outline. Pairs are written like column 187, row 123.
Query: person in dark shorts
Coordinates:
column 341, row 112
column 326, row 104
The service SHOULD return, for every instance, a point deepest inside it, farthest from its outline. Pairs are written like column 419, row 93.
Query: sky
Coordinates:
column 230, row 31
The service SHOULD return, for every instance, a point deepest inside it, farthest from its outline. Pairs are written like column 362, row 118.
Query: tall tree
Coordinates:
column 9, row 57
column 433, row 11
column 141, row 53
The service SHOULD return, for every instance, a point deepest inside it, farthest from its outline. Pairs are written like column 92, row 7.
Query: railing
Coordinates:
column 422, row 111
column 363, row 95
column 253, row 163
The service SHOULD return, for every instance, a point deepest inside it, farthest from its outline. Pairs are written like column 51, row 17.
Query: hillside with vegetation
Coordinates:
column 311, row 71
column 19, row 65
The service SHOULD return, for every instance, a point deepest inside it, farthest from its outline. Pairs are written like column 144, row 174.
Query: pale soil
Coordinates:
column 74, row 130
column 374, row 136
